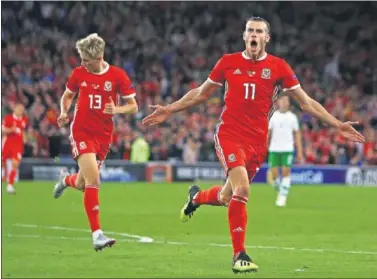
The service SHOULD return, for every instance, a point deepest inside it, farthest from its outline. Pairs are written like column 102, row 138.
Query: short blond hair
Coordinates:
column 92, row 46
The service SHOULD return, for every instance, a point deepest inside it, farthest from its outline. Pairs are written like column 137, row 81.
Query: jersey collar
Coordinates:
column 17, row 117
column 104, row 70
column 249, row 58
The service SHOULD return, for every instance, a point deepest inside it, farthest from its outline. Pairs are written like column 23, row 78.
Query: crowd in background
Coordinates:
column 168, row 48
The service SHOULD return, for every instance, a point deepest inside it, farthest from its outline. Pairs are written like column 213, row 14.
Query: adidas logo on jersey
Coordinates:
column 237, row 72
column 83, row 84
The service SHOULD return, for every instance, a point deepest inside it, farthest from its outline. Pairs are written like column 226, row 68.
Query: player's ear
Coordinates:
column 268, row 38
column 244, row 35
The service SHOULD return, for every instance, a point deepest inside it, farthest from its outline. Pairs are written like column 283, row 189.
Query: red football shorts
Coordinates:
column 232, row 153
column 82, row 146
column 11, row 153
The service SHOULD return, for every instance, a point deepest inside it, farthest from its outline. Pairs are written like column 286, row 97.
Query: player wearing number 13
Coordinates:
column 98, row 85
column 253, row 79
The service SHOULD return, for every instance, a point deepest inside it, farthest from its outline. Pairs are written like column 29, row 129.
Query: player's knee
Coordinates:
column 80, row 184
column 274, row 172
column 241, row 190
column 93, row 181
column 224, row 198
column 15, row 164
column 286, row 172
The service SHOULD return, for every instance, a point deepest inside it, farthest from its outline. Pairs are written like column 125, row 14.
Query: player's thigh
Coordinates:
column 80, row 146
column 104, row 149
column 88, row 167
column 239, row 181
column 256, row 156
column 230, row 153
column 16, row 160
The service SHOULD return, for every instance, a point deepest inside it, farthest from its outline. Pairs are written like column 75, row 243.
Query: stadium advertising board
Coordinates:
column 111, row 170
column 361, row 176
column 366, row 176
column 123, row 171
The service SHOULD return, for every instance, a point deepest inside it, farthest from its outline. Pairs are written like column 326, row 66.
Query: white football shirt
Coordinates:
column 281, row 127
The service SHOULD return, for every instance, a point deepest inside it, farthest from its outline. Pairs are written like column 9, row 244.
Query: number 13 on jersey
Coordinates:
column 249, row 87
column 95, row 101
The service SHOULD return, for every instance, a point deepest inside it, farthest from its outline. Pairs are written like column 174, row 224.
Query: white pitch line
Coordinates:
column 139, row 237
column 57, row 237
column 145, row 239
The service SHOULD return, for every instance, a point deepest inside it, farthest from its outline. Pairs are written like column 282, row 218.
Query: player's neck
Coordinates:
column 101, row 68
column 256, row 57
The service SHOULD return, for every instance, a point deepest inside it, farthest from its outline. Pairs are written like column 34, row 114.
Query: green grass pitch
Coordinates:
column 324, row 232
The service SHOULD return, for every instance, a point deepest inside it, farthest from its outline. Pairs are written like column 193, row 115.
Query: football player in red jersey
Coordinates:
column 13, row 128
column 253, row 79
column 98, row 86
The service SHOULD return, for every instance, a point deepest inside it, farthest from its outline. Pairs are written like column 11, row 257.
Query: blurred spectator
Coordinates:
column 331, row 46
column 190, row 152
column 140, row 150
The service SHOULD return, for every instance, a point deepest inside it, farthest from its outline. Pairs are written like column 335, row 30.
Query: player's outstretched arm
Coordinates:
column 311, row 106
column 65, row 105
column 192, row 98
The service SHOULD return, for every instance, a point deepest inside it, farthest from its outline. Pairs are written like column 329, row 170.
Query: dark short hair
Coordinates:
column 260, row 19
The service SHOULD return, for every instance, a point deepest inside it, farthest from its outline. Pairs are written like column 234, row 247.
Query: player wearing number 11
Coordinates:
column 97, row 85
column 253, row 80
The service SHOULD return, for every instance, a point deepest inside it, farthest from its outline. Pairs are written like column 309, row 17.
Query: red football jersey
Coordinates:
column 95, row 91
column 251, row 87
column 14, row 140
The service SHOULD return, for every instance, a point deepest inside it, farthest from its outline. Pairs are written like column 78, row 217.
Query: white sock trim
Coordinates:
column 96, row 233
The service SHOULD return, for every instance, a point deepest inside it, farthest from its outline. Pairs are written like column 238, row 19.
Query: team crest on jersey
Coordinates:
column 82, row 145
column 108, row 86
column 231, row 158
column 266, row 73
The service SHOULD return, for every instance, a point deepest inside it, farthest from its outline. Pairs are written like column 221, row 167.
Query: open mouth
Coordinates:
column 253, row 44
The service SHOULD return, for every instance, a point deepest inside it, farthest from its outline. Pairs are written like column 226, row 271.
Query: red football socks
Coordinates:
column 92, row 206
column 209, row 196
column 12, row 177
column 237, row 217
column 70, row 180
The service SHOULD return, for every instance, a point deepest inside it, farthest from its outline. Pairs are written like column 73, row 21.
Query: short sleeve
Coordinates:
column 289, row 78
column 72, row 84
column 126, row 88
column 217, row 75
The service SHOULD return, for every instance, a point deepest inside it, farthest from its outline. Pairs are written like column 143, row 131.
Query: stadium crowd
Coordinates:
column 169, row 47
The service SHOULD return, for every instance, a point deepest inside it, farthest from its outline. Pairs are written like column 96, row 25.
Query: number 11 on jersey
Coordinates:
column 247, row 87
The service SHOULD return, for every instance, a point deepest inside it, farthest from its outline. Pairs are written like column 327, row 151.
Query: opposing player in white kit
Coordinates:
column 284, row 132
